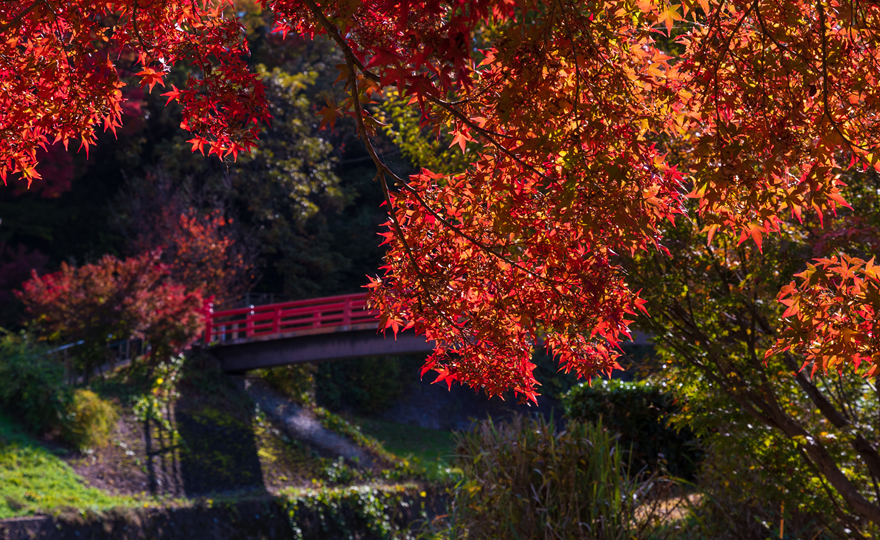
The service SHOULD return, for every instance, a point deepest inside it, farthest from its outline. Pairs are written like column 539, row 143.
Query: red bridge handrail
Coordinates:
column 286, row 317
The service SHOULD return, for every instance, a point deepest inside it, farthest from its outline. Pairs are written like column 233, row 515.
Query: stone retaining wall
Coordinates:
column 267, row 519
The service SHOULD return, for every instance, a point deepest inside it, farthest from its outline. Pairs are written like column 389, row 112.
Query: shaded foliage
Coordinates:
column 791, row 437
column 640, row 413
column 33, row 388
column 365, row 385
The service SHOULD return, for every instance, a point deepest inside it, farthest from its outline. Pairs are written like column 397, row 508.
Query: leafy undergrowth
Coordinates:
column 35, row 480
column 431, row 451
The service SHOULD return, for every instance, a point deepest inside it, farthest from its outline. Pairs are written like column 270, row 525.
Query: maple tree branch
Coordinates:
column 577, row 79
column 63, row 48
column 773, row 416
column 696, row 335
column 382, row 169
column 765, row 409
column 15, row 20
column 337, row 37
column 412, row 259
column 351, row 61
column 776, row 42
column 762, row 405
column 826, row 464
column 818, row 474
column 334, row 33
column 835, row 417
column 137, row 32
column 488, row 135
column 724, row 52
column 473, row 240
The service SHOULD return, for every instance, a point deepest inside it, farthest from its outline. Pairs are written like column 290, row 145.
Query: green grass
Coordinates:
column 33, row 480
column 432, row 448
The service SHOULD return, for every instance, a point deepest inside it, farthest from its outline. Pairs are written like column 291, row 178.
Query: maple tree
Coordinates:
column 567, row 112
column 198, row 251
column 114, row 300
column 203, row 258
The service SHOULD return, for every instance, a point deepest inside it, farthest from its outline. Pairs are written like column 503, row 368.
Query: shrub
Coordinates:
column 747, row 493
column 32, row 388
column 110, row 300
column 296, row 381
column 89, row 420
column 367, row 385
column 639, row 412
column 524, row 480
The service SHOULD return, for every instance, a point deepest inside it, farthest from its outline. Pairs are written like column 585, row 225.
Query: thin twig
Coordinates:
column 15, row 20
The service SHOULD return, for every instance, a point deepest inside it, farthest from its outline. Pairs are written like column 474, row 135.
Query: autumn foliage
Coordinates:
column 114, row 300
column 61, row 74
column 831, row 316
column 585, row 124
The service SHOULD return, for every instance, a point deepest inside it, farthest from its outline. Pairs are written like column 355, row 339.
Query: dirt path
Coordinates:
column 301, row 424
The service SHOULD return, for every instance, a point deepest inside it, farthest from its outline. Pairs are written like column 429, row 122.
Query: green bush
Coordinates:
column 296, row 381
column 89, row 420
column 366, row 385
column 32, row 385
column 639, row 412
column 524, row 480
column 33, row 391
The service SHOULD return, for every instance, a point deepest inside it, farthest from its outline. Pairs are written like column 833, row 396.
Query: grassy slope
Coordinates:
column 34, row 480
column 434, row 449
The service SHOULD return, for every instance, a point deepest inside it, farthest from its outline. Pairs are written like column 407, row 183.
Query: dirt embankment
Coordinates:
column 223, row 439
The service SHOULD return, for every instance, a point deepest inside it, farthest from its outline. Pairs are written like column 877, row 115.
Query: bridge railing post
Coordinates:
column 346, row 312
column 209, row 322
column 249, row 323
column 276, row 321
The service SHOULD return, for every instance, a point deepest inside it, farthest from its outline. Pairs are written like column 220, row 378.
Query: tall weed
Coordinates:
column 525, row 480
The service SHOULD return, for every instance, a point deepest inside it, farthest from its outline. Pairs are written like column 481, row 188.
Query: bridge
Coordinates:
column 314, row 330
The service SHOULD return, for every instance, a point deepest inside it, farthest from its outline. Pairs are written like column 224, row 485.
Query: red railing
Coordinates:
column 287, row 317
